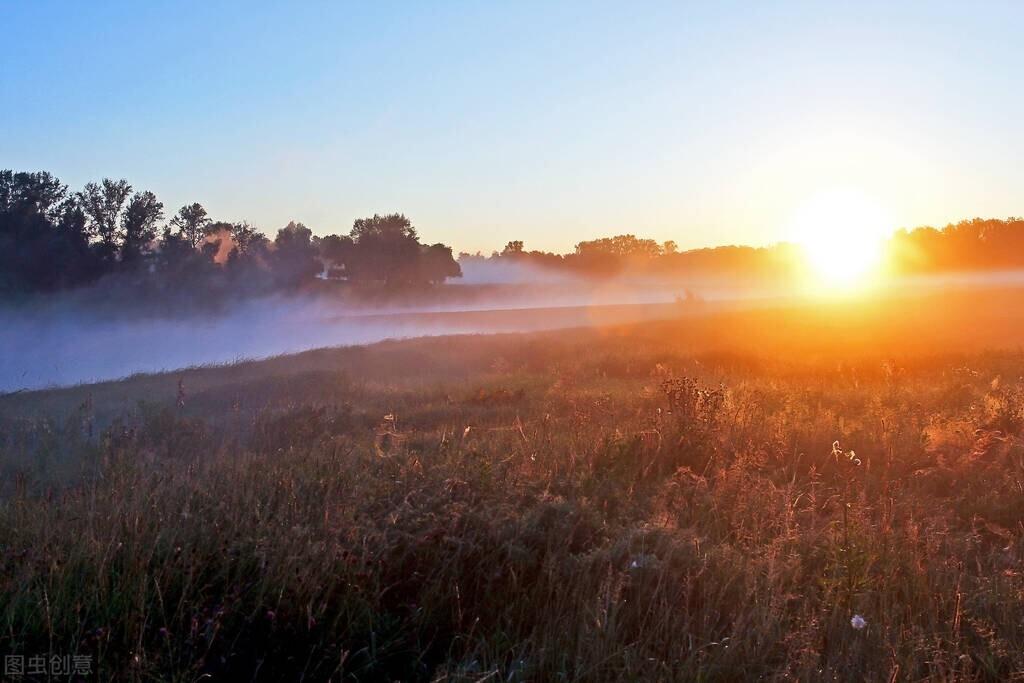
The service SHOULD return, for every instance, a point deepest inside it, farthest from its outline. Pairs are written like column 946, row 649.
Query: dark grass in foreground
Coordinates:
column 573, row 506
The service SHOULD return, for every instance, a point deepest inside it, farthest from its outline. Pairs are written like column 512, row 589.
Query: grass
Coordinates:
column 652, row 502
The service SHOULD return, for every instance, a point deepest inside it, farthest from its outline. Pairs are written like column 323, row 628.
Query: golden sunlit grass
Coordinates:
column 805, row 494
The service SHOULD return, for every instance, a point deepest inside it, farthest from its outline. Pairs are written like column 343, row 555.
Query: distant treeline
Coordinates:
column 52, row 238
column 975, row 244
column 623, row 254
column 971, row 245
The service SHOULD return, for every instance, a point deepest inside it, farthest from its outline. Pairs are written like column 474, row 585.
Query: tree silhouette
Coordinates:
column 139, row 225
column 103, row 205
column 294, row 259
column 437, row 264
column 39, row 192
column 335, row 252
column 44, row 240
column 391, row 228
column 247, row 239
column 387, row 249
column 191, row 223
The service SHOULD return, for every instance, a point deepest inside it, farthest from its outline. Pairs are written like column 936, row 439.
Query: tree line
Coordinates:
column 975, row 244
column 978, row 244
column 610, row 256
column 53, row 238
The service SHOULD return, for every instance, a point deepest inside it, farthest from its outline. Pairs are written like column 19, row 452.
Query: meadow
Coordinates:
column 828, row 491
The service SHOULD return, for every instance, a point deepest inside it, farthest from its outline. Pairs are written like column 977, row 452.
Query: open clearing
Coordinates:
column 659, row 500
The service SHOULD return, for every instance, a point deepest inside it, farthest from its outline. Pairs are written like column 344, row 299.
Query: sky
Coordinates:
column 549, row 122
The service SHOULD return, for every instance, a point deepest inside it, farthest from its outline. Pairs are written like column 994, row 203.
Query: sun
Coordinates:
column 842, row 235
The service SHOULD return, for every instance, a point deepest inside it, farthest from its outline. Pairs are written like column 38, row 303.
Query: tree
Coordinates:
column 609, row 255
column 294, row 259
column 78, row 263
column 247, row 239
column 103, row 204
column 44, row 243
column 620, row 245
column 180, row 266
column 191, row 223
column 52, row 239
column 437, row 264
column 392, row 227
column 335, row 252
column 39, row 192
column 138, row 226
column 513, row 248
column 385, row 248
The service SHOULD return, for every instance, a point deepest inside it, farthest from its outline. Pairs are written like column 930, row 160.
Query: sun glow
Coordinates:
column 842, row 235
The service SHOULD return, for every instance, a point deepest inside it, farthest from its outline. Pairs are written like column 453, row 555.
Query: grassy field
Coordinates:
column 712, row 498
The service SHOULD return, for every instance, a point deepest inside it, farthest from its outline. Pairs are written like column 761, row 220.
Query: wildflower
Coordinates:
column 643, row 561
column 858, row 622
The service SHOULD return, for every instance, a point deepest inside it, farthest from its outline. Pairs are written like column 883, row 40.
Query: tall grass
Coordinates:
column 543, row 508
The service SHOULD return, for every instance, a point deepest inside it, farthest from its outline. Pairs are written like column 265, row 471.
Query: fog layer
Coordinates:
column 62, row 342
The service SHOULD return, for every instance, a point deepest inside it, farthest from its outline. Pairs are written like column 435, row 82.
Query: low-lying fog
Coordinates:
column 60, row 342
column 60, row 346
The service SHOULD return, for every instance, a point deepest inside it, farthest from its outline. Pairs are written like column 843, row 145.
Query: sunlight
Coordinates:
column 842, row 235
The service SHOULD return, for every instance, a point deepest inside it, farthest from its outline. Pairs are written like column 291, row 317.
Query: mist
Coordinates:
column 62, row 342
column 67, row 340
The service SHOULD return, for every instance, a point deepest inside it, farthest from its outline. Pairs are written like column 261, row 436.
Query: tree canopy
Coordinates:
column 52, row 238
column 387, row 249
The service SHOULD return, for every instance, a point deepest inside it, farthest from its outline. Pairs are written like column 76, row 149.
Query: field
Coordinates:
column 706, row 498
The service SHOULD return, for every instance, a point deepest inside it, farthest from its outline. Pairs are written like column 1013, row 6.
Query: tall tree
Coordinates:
column 437, row 264
column 294, row 258
column 390, row 227
column 139, row 225
column 387, row 248
column 103, row 204
column 44, row 243
column 39, row 192
column 191, row 223
column 80, row 264
column 335, row 252
column 247, row 238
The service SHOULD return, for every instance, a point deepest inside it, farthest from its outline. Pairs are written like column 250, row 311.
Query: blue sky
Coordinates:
column 550, row 122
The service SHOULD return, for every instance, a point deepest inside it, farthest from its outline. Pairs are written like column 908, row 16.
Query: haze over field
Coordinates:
column 56, row 346
column 95, row 286
column 60, row 347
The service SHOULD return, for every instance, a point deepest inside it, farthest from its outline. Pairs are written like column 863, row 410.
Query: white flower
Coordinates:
column 858, row 622
column 643, row 561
